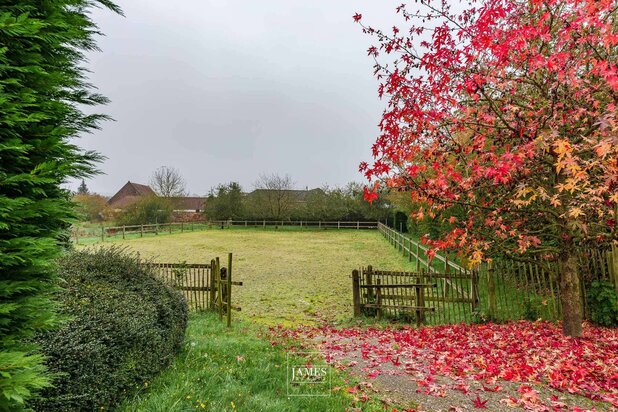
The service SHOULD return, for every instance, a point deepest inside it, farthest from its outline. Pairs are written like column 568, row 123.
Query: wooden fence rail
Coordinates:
column 206, row 286
column 106, row 232
column 303, row 224
column 429, row 297
column 414, row 250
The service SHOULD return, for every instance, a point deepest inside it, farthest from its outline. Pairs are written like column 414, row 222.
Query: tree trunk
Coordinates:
column 570, row 296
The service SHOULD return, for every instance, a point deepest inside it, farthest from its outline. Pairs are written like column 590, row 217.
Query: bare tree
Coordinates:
column 168, row 182
column 275, row 193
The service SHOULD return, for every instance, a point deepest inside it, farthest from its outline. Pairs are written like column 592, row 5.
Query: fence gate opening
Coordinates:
column 428, row 297
column 206, row 286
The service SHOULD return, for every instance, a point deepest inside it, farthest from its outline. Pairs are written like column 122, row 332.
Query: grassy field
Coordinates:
column 290, row 277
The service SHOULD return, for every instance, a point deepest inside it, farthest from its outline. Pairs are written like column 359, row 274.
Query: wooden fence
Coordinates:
column 206, row 286
column 417, row 252
column 506, row 289
column 428, row 297
column 301, row 224
column 102, row 233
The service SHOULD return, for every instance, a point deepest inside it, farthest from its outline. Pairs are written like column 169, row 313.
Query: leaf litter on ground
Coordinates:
column 526, row 365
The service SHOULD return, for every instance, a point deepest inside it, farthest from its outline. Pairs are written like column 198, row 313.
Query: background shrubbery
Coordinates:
column 227, row 201
column 124, row 326
column 147, row 210
column 603, row 303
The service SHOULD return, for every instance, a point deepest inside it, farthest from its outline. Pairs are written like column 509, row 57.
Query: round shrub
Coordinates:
column 123, row 327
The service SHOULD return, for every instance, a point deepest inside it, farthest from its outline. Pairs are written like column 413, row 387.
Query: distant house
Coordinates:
column 188, row 204
column 131, row 192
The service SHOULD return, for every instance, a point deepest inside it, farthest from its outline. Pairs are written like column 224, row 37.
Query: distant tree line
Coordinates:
column 274, row 199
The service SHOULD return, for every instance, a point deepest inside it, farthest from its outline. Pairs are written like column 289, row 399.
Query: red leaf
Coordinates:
column 478, row 403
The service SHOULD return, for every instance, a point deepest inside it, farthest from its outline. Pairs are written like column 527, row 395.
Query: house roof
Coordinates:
column 129, row 194
column 142, row 189
column 125, row 201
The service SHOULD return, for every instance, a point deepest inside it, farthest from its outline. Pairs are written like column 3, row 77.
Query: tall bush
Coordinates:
column 42, row 88
column 147, row 210
column 125, row 326
column 92, row 207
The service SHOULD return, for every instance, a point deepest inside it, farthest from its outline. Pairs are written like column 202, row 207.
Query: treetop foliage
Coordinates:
column 506, row 110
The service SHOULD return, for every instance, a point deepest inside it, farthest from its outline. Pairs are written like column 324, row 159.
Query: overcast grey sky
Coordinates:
column 226, row 90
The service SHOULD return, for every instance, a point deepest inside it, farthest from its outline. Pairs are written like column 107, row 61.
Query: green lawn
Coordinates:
column 224, row 369
column 290, row 277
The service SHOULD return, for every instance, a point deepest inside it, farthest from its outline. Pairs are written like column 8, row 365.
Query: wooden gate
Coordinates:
column 429, row 297
column 206, row 286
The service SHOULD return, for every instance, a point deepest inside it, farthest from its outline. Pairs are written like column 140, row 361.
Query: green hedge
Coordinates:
column 124, row 326
column 603, row 303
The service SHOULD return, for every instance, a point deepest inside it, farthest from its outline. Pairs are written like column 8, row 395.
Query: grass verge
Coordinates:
column 223, row 369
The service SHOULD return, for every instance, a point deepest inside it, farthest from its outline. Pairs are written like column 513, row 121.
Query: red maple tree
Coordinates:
column 501, row 120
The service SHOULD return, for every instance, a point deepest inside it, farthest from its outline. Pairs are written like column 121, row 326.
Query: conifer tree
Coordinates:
column 43, row 87
column 83, row 189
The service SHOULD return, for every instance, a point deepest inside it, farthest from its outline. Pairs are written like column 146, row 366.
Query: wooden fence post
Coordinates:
column 369, row 283
column 356, row 293
column 123, row 231
column 213, row 280
column 357, row 225
column 409, row 249
column 475, row 289
column 229, row 290
column 418, row 259
column 320, row 224
column 379, row 299
column 77, row 236
column 420, row 299
column 219, row 290
column 338, row 225
column 102, row 234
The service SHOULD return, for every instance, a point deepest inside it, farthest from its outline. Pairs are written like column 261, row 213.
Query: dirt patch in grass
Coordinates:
column 290, row 277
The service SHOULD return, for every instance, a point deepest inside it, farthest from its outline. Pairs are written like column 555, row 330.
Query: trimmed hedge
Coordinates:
column 124, row 327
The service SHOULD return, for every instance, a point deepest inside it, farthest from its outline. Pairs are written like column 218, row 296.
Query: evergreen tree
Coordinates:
column 83, row 189
column 225, row 202
column 42, row 88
